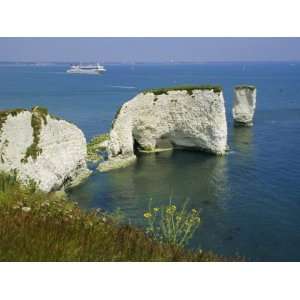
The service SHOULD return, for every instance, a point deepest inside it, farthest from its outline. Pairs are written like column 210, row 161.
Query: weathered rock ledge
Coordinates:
column 42, row 148
column 185, row 117
column 244, row 105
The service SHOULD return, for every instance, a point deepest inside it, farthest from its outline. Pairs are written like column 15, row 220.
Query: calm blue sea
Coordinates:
column 249, row 200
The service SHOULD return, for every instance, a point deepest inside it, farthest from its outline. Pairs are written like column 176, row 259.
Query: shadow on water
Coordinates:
column 197, row 177
column 178, row 175
column 242, row 140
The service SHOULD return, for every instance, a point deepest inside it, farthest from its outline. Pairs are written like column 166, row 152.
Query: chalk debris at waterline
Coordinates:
column 42, row 148
column 244, row 105
column 186, row 117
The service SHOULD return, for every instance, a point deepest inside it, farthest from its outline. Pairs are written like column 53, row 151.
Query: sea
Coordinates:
column 249, row 199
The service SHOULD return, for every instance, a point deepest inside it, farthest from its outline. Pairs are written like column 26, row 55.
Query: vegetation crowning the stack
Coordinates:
column 244, row 86
column 188, row 88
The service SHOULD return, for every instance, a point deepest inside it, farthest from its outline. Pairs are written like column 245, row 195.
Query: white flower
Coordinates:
column 26, row 209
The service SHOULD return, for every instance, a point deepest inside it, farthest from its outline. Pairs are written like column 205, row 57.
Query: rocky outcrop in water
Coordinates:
column 244, row 105
column 42, row 148
column 182, row 117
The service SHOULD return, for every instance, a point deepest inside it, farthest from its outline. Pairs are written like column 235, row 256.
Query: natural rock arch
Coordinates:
column 188, row 117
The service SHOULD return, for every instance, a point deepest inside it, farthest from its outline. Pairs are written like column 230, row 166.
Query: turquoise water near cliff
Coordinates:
column 249, row 199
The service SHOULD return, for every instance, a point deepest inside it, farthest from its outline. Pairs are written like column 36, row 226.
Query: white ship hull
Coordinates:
column 86, row 69
column 91, row 72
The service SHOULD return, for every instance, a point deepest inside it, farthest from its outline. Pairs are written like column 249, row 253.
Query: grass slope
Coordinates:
column 35, row 226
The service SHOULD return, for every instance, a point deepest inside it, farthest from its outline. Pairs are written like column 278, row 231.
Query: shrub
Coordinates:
column 170, row 225
column 8, row 181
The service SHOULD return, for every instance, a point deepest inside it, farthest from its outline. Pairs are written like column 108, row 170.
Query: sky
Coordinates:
column 149, row 49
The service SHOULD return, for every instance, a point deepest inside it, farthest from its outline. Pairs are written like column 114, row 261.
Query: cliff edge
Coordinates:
column 42, row 148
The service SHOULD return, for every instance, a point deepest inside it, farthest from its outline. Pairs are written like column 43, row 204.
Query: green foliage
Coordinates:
column 188, row 88
column 5, row 144
column 39, row 116
column 249, row 87
column 170, row 225
column 3, row 118
column 42, row 113
column 148, row 148
column 35, row 226
column 8, row 181
column 94, row 147
column 4, row 114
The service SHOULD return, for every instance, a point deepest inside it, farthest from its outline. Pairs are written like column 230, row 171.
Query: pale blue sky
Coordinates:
column 149, row 49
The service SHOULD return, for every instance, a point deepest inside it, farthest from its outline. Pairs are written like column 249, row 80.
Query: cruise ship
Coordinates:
column 87, row 69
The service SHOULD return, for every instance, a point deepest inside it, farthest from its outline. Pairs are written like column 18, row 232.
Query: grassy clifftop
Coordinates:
column 188, row 88
column 35, row 226
column 245, row 86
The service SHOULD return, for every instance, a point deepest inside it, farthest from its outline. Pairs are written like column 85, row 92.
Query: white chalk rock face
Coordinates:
column 42, row 148
column 244, row 105
column 181, row 117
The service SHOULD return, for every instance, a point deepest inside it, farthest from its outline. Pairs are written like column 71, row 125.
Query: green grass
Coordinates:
column 188, row 88
column 38, row 118
column 5, row 113
column 244, row 86
column 35, row 226
column 94, row 147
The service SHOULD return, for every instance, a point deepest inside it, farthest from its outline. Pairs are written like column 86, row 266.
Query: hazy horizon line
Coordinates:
column 143, row 62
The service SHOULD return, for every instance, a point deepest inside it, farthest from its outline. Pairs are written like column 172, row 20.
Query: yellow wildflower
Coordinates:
column 171, row 209
column 156, row 209
column 147, row 215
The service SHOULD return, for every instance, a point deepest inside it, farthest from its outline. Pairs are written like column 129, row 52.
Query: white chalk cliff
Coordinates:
column 191, row 117
column 42, row 148
column 244, row 105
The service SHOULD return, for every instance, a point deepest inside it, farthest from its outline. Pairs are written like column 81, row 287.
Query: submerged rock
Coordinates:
column 185, row 117
column 244, row 105
column 42, row 148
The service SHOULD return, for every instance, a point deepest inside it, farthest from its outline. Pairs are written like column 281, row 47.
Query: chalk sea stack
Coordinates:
column 244, row 105
column 191, row 117
column 42, row 148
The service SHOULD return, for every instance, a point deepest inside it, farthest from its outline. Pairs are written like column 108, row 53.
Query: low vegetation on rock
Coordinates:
column 36, row 226
column 244, row 86
column 188, row 88
column 95, row 146
column 4, row 114
column 38, row 118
